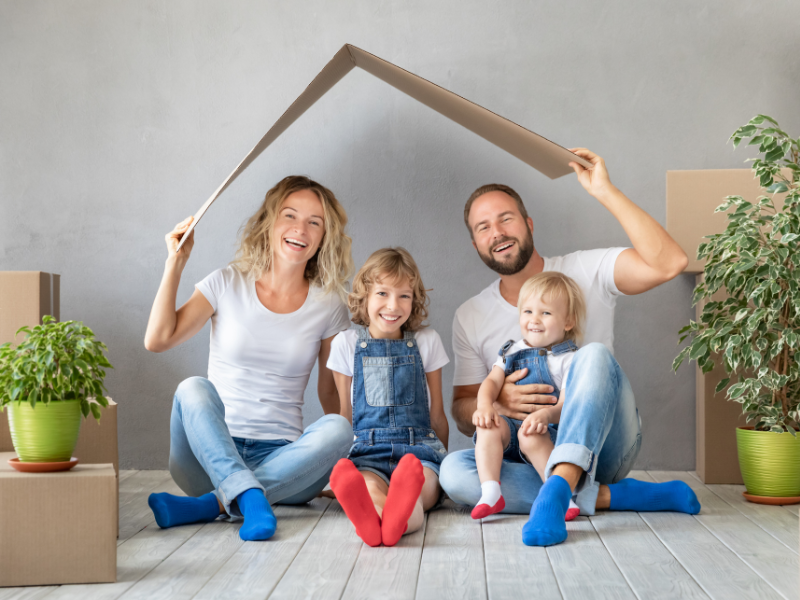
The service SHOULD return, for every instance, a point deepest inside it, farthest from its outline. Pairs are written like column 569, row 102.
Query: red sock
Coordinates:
column 404, row 491
column 351, row 492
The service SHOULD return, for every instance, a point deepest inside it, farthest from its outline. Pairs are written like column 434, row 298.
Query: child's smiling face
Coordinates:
column 388, row 307
column 544, row 321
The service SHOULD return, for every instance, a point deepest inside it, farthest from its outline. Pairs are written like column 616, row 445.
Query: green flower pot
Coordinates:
column 46, row 433
column 770, row 462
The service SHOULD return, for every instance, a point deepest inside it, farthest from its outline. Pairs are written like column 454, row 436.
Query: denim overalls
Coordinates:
column 535, row 360
column 390, row 406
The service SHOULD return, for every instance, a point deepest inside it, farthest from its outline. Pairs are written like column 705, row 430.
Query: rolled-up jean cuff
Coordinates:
column 232, row 486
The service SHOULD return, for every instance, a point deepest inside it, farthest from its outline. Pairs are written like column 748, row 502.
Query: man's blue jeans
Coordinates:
column 203, row 457
column 599, row 431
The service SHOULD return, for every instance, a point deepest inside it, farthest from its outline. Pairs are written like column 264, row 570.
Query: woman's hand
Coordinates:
column 173, row 238
column 594, row 180
column 485, row 418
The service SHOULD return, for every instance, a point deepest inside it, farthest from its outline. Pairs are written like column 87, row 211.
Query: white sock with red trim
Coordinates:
column 572, row 512
column 491, row 500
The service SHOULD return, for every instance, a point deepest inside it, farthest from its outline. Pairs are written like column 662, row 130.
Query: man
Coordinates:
column 599, row 434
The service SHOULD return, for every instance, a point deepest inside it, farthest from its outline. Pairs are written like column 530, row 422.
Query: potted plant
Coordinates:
column 756, row 330
column 48, row 381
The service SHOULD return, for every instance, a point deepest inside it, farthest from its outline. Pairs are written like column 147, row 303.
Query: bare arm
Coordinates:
column 168, row 327
column 655, row 257
column 326, row 386
column 343, row 385
column 439, row 422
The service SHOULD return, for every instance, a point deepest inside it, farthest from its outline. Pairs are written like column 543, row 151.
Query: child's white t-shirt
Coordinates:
column 260, row 361
column 343, row 353
column 485, row 322
column 557, row 364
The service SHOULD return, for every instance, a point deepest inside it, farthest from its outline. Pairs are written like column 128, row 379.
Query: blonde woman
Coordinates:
column 237, row 440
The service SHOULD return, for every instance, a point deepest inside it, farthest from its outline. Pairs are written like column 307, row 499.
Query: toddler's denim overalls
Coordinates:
column 535, row 360
column 390, row 406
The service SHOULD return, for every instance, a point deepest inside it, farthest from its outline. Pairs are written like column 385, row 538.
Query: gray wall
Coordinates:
column 118, row 119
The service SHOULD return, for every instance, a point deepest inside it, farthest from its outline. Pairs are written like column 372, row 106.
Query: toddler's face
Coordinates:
column 544, row 321
column 388, row 307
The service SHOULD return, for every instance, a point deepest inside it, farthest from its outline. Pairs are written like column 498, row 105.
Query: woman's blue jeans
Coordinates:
column 203, row 457
column 599, row 431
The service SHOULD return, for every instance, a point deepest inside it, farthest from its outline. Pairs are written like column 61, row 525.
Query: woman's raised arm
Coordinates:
column 168, row 327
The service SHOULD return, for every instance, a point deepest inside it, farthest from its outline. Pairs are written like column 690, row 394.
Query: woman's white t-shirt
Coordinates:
column 260, row 361
column 557, row 364
column 343, row 353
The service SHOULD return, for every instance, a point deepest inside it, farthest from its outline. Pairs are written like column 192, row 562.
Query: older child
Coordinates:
column 551, row 314
column 389, row 376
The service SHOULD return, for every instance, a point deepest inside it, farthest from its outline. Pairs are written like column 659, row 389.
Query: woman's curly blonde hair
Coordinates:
column 329, row 268
column 393, row 265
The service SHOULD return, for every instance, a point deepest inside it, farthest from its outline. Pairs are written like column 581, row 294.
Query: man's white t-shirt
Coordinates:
column 557, row 364
column 485, row 322
column 343, row 353
column 260, row 361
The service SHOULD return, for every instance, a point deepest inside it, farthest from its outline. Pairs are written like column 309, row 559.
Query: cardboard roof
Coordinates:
column 540, row 153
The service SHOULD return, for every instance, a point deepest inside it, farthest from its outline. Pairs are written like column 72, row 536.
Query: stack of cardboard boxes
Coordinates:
column 56, row 528
column 692, row 197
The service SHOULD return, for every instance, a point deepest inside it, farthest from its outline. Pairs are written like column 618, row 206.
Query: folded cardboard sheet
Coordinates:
column 58, row 528
column 540, row 153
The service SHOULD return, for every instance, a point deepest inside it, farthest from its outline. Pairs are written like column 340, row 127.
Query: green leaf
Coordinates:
column 721, row 385
column 95, row 410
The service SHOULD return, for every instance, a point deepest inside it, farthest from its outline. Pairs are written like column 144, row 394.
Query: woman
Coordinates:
column 237, row 441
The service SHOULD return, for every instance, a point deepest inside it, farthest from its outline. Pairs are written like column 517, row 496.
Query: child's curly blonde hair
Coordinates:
column 391, row 265
column 553, row 285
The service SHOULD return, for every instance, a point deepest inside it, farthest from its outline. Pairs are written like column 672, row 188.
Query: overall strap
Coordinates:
column 504, row 350
column 409, row 335
column 363, row 333
column 565, row 346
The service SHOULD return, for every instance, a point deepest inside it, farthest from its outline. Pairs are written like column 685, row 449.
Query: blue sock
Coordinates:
column 546, row 525
column 259, row 520
column 644, row 496
column 172, row 510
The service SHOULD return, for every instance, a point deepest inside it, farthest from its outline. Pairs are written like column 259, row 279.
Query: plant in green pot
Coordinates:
column 755, row 331
column 48, row 381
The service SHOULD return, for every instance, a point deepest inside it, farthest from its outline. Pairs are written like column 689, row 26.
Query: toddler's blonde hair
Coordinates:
column 395, row 265
column 552, row 285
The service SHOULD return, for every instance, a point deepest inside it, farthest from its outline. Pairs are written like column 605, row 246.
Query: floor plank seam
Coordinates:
column 421, row 552
column 677, row 558
column 611, row 554
column 485, row 571
column 745, row 562
column 752, row 520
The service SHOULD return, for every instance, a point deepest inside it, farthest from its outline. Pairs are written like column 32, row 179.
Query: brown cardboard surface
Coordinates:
column 543, row 155
column 717, row 420
column 97, row 442
column 58, row 528
column 692, row 197
column 25, row 297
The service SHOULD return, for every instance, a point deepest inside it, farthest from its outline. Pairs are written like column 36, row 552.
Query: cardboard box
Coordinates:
column 25, row 297
column 540, row 153
column 692, row 197
column 58, row 528
column 97, row 442
column 717, row 420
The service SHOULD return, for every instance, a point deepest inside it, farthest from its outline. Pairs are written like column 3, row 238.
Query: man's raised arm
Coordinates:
column 655, row 257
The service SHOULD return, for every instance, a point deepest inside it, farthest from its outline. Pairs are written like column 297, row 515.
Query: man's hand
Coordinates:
column 518, row 401
column 594, row 180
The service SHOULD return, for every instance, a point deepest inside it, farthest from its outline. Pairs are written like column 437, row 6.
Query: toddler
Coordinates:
column 388, row 373
column 551, row 315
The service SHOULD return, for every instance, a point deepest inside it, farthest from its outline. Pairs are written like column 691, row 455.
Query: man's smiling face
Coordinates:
column 500, row 234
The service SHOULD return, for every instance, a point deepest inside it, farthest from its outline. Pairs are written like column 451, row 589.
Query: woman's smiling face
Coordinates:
column 299, row 227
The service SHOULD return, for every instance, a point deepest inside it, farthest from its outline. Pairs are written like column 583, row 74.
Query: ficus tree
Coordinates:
column 755, row 262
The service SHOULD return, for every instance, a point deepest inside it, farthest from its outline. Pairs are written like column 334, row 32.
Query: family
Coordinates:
column 551, row 412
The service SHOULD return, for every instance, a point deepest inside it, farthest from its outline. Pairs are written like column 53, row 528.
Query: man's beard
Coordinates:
column 523, row 256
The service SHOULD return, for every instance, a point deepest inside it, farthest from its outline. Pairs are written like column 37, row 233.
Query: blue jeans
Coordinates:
column 203, row 457
column 599, row 431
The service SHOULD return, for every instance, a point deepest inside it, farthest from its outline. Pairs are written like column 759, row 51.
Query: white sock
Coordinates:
column 490, row 493
column 572, row 505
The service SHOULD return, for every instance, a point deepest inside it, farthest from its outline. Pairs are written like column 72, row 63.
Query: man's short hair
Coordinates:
column 493, row 187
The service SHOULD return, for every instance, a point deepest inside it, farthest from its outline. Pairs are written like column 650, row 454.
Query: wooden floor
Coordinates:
column 732, row 549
